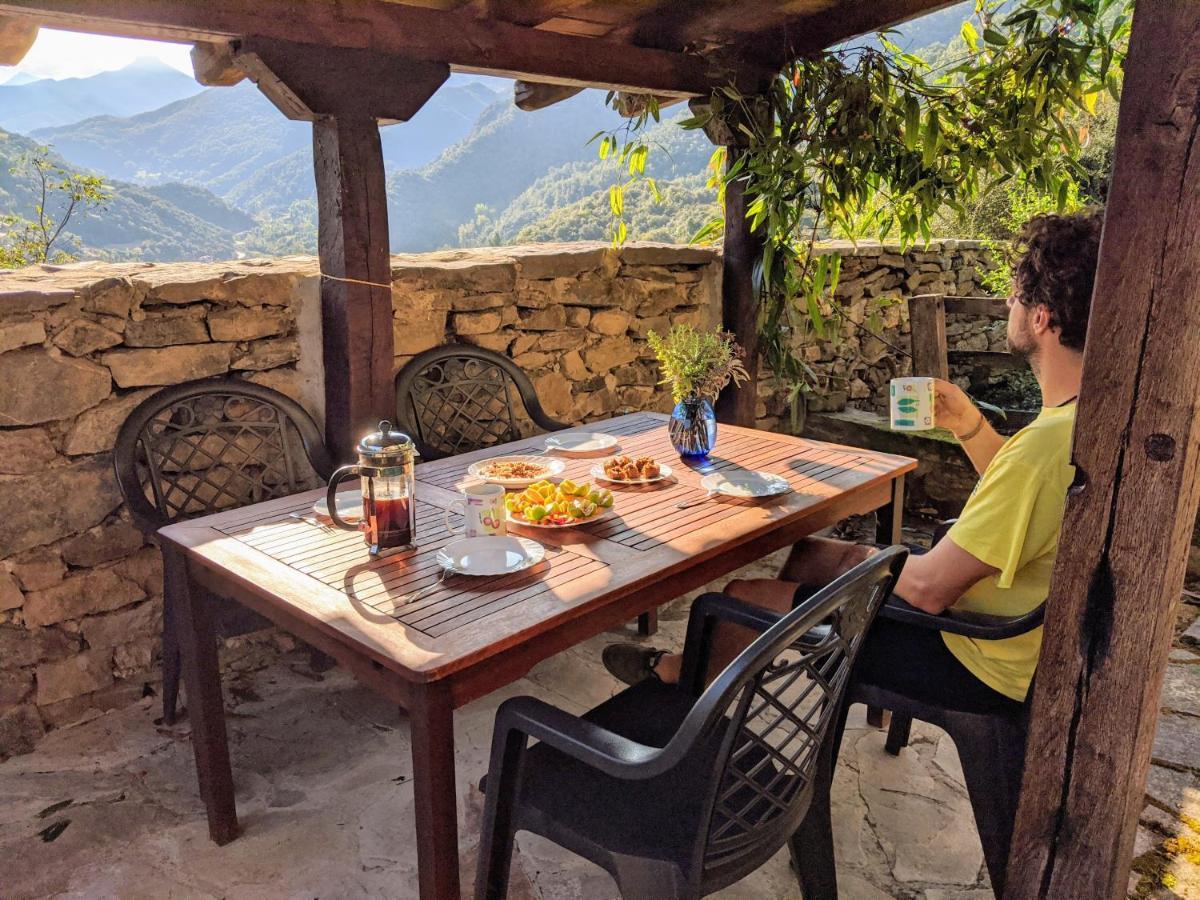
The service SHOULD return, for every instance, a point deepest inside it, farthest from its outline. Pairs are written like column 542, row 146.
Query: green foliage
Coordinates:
column 697, row 363
column 61, row 195
column 871, row 140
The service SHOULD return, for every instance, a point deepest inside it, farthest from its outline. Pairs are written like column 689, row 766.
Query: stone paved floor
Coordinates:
column 109, row 808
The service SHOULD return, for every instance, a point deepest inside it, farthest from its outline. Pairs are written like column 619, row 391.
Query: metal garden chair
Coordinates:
column 204, row 446
column 680, row 790
column 458, row 398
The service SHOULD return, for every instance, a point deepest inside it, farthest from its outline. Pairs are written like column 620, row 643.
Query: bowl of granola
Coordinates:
column 515, row 471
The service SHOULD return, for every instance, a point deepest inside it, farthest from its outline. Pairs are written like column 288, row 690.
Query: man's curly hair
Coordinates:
column 1056, row 268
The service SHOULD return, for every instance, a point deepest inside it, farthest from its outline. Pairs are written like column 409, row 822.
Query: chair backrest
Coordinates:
column 204, row 446
column 458, row 398
column 777, row 704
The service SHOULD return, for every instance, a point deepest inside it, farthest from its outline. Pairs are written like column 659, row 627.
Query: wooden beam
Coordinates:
column 466, row 42
column 531, row 95
column 927, row 324
column 16, row 37
column 801, row 35
column 739, row 300
column 213, row 65
column 306, row 81
column 352, row 243
column 1121, row 558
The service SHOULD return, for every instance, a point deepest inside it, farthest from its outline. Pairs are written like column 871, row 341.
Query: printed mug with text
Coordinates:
column 911, row 404
column 482, row 505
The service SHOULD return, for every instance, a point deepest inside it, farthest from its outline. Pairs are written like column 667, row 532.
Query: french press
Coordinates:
column 386, row 470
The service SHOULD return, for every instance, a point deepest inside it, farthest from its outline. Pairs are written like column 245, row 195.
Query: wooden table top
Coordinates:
column 326, row 577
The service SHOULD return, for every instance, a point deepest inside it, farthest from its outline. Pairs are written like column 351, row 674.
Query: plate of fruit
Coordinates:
column 545, row 504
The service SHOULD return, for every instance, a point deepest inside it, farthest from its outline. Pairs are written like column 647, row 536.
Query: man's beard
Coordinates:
column 1022, row 345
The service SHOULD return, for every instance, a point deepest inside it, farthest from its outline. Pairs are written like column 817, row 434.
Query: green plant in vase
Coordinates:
column 697, row 365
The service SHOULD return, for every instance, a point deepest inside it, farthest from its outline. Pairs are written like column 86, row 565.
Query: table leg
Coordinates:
column 432, row 721
column 647, row 623
column 206, row 711
column 891, row 516
column 890, row 530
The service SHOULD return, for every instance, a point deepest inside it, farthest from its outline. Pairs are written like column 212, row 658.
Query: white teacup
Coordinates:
column 482, row 505
column 911, row 404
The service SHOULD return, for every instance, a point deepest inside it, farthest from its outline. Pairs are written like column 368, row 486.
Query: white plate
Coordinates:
column 583, row 442
column 664, row 471
column 553, row 468
column 596, row 517
column 349, row 506
column 745, row 484
column 490, row 555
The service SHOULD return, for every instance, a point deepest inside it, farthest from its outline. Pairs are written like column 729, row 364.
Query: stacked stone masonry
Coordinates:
column 81, row 345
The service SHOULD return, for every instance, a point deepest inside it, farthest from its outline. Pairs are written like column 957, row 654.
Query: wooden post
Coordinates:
column 345, row 93
column 927, row 321
column 739, row 300
column 1129, row 518
column 352, row 244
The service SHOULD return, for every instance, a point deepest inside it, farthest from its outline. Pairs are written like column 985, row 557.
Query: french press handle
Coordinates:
column 331, row 496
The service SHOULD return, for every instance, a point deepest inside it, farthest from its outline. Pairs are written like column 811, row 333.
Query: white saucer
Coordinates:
column 664, row 471
column 744, row 484
column 349, row 506
column 581, row 442
column 554, row 468
column 490, row 555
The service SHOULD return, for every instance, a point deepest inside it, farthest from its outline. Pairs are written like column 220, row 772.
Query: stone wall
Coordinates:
column 860, row 356
column 80, row 587
column 81, row 345
column 574, row 316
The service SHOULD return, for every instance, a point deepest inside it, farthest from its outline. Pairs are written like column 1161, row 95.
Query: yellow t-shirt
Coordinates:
column 1011, row 522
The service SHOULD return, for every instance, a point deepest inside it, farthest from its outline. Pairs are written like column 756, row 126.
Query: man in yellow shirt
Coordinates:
column 997, row 558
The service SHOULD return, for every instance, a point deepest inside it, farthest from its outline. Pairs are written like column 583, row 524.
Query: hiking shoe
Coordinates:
column 631, row 663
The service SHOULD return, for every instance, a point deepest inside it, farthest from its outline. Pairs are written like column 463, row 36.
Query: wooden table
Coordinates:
column 466, row 637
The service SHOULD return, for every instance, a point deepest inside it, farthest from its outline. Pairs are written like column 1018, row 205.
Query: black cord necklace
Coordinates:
column 1065, row 402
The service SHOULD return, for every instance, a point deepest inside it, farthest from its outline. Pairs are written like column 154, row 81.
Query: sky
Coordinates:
column 64, row 54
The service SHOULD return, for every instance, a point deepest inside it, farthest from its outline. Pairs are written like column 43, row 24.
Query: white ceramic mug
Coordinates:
column 911, row 404
column 482, row 505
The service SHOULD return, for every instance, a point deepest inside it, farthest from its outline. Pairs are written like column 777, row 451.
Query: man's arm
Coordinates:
column 934, row 581
column 955, row 412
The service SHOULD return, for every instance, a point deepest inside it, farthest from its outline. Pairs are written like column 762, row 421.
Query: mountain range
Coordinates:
column 206, row 173
column 43, row 103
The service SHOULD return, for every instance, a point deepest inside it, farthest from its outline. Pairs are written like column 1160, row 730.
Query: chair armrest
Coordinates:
column 968, row 624
column 713, row 607
column 941, row 531
column 576, row 737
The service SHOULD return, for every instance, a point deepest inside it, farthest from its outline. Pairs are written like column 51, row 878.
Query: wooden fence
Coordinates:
column 927, row 318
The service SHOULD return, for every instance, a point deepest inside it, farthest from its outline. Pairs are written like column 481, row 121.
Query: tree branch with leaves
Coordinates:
column 870, row 140
column 61, row 195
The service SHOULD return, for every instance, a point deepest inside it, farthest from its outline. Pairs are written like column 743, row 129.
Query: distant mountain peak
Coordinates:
column 149, row 64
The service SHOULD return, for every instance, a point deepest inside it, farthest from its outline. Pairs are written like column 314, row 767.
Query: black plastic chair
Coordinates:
column 205, row 446
column 458, row 398
column 679, row 791
column 991, row 746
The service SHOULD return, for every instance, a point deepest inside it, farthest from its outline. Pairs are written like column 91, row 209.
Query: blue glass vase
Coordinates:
column 693, row 427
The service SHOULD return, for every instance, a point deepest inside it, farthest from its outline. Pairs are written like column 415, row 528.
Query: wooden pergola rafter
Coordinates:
column 348, row 66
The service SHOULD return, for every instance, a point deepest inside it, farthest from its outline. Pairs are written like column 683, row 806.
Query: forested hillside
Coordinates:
column 571, row 202
column 166, row 222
